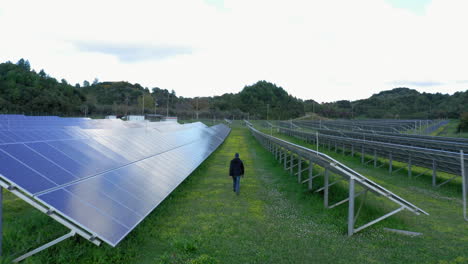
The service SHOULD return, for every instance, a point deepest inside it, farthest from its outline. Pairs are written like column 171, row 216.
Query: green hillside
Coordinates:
column 23, row 90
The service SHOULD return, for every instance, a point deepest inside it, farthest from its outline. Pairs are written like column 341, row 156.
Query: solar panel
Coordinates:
column 103, row 181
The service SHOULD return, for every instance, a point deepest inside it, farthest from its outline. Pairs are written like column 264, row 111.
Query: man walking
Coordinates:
column 236, row 170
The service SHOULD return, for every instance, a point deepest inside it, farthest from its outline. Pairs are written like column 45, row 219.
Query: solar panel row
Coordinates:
column 105, row 181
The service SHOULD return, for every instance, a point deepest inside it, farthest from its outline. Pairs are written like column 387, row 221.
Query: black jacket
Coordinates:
column 236, row 168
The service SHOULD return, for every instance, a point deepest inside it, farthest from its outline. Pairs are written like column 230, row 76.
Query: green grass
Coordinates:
column 274, row 220
column 450, row 130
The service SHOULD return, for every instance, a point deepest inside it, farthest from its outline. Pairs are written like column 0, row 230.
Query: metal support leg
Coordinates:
column 311, row 169
column 362, row 154
column 375, row 158
column 325, row 191
column 352, row 150
column 51, row 243
column 390, row 164
column 351, row 208
column 434, row 173
column 409, row 167
column 291, row 163
column 285, row 160
column 299, row 170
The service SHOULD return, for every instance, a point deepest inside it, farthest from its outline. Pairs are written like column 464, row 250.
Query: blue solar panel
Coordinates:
column 40, row 164
column 22, row 176
column 104, row 181
column 84, row 214
column 150, row 182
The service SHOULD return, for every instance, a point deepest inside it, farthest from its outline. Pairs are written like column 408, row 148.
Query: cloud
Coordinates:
column 134, row 52
column 416, row 83
column 321, row 50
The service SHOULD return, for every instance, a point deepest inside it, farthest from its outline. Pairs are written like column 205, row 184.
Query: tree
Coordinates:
column 24, row 64
column 463, row 126
column 85, row 83
column 148, row 102
column 96, row 81
column 42, row 73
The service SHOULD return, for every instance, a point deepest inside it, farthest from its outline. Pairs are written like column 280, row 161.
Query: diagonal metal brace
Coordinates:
column 347, row 199
column 447, row 181
column 379, row 219
column 329, row 185
column 45, row 246
column 302, row 171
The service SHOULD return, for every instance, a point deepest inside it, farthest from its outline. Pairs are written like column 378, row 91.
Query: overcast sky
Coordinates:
column 324, row 50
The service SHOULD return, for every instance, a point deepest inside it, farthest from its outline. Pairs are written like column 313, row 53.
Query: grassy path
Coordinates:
column 274, row 220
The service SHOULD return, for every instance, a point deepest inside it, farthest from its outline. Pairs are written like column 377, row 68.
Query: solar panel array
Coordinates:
column 106, row 181
column 446, row 161
column 376, row 125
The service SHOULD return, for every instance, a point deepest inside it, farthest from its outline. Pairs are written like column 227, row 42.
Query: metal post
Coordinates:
column 409, row 167
column 352, row 150
column 311, row 170
column 375, row 158
column 299, row 170
column 390, row 164
column 434, row 173
column 362, row 154
column 291, row 162
column 325, row 191
column 464, row 183
column 316, row 137
column 285, row 160
column 351, row 208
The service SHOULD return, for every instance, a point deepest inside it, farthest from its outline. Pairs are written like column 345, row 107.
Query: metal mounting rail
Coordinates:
column 295, row 157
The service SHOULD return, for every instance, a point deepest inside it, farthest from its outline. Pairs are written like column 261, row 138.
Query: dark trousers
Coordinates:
column 236, row 184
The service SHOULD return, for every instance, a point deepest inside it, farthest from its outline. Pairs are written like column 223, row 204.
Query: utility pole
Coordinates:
column 155, row 105
column 143, row 104
column 197, row 108
column 167, row 107
column 126, row 108
column 268, row 109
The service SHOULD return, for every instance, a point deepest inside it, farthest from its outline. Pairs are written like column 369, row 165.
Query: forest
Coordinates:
column 25, row 91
